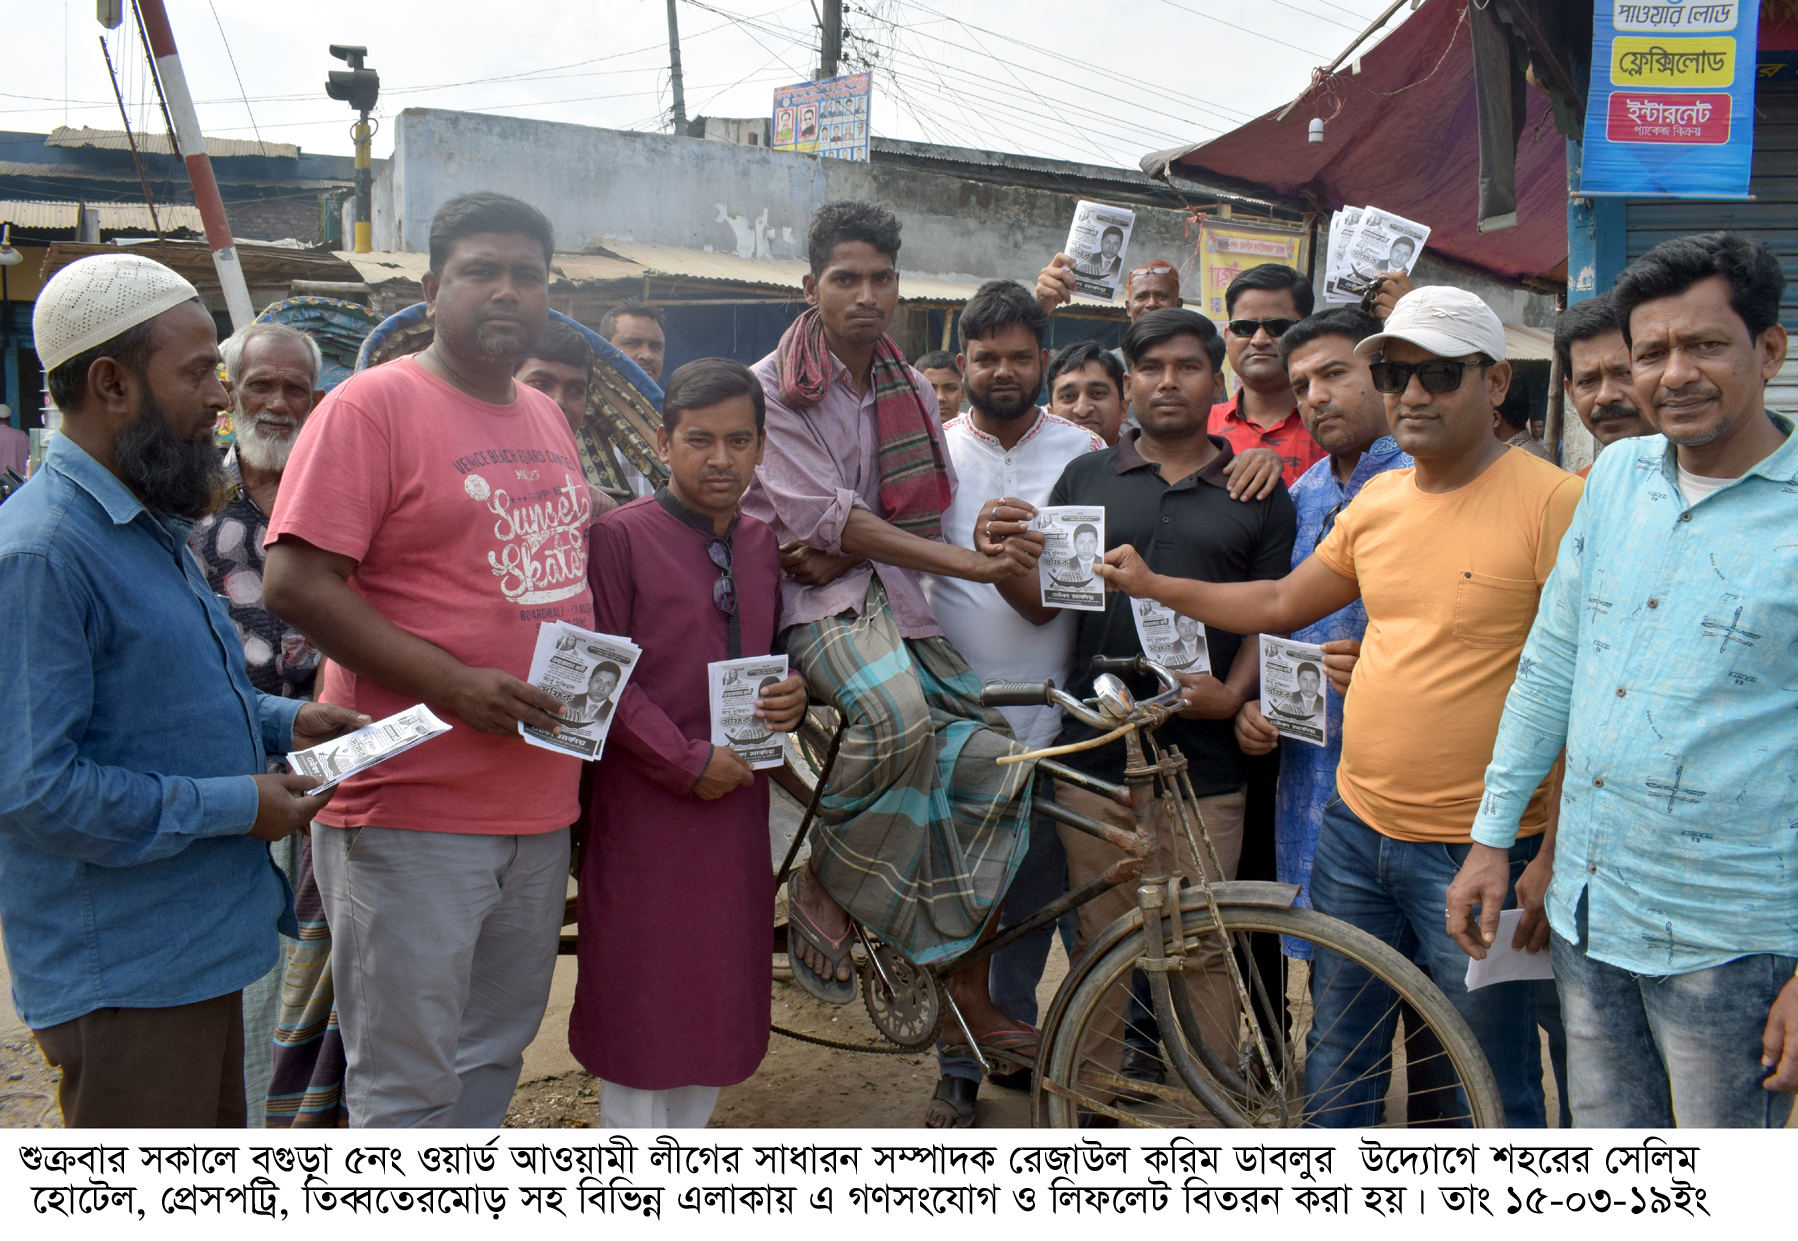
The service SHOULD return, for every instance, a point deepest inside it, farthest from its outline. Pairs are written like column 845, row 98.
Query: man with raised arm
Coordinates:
column 1664, row 659
column 921, row 829
column 433, row 515
column 1449, row 559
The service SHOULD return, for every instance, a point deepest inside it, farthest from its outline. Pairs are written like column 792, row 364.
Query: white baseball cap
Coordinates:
column 91, row 301
column 1448, row 322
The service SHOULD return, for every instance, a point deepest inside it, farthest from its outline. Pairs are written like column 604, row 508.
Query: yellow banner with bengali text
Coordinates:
column 1649, row 61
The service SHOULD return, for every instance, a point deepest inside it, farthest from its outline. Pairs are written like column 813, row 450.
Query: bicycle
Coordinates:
column 1237, row 1051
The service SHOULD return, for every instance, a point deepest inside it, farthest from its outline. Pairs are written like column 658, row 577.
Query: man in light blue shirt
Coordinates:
column 137, row 895
column 1665, row 658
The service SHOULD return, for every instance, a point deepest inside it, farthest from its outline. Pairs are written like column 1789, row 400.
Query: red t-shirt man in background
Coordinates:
column 1262, row 303
column 432, row 515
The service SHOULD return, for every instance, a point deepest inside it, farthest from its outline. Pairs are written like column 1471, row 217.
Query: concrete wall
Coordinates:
column 750, row 201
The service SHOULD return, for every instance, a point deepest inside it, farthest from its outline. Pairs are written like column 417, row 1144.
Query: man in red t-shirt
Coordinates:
column 432, row 515
column 1262, row 303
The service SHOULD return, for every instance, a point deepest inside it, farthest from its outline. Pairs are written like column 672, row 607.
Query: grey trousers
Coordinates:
column 442, row 949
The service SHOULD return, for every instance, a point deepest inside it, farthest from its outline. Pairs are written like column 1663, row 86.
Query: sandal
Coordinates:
column 836, row 951
column 1016, row 1045
column 958, row 1094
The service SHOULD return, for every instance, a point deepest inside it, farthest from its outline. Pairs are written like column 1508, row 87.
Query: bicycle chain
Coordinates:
column 872, row 1049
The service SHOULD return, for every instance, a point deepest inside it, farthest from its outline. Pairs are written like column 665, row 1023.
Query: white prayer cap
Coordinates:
column 1448, row 322
column 91, row 301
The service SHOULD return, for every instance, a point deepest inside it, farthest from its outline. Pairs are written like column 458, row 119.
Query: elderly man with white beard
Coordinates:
column 270, row 373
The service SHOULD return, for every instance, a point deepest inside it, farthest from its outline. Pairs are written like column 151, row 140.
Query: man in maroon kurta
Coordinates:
column 676, row 888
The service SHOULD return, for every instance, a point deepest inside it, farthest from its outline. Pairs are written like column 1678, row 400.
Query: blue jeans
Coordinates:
column 1648, row 1051
column 1017, row 968
column 1396, row 890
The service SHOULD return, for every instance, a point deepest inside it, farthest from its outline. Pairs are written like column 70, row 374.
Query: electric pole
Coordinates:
column 830, row 46
column 680, row 98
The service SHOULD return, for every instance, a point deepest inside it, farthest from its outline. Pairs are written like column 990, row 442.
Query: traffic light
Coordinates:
column 356, row 86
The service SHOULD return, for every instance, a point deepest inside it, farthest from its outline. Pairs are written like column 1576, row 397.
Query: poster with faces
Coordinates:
column 1292, row 689
column 1174, row 641
column 1073, row 544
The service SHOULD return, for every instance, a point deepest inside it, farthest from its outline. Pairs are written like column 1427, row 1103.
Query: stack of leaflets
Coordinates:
column 1365, row 242
column 1073, row 543
column 356, row 752
column 735, row 685
column 586, row 670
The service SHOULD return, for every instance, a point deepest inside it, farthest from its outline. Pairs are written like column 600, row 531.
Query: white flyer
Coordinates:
column 1382, row 242
column 1343, row 224
column 586, row 670
column 356, row 752
column 1292, row 689
column 1504, row 963
column 1073, row 543
column 1098, row 241
column 1174, row 641
column 734, row 685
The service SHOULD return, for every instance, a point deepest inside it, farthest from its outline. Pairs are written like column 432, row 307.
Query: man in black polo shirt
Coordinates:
column 1163, row 491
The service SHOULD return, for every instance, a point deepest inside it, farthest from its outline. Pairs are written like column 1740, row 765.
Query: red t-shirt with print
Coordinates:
column 468, row 523
column 1290, row 439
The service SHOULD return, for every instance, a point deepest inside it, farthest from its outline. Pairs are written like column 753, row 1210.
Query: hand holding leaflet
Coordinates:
column 1073, row 542
column 1292, row 689
column 1504, row 963
column 586, row 670
column 735, row 685
column 356, row 752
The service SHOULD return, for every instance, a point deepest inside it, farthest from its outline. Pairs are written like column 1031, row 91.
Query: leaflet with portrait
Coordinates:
column 1073, row 543
column 734, row 684
column 586, row 670
column 1380, row 242
column 356, row 752
column 1293, row 689
column 1098, row 241
column 1174, row 641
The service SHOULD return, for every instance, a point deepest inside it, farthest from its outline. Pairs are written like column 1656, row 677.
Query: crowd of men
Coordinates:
column 1568, row 694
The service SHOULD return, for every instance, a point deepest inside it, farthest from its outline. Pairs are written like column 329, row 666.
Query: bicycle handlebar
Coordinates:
column 1016, row 693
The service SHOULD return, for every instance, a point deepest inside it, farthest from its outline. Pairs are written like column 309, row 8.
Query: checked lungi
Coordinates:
column 919, row 830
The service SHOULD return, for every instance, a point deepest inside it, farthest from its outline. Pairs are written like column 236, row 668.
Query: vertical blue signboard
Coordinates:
column 1671, row 108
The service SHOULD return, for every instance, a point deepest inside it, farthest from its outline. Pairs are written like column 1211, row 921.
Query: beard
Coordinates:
column 1006, row 408
column 169, row 474
column 262, row 448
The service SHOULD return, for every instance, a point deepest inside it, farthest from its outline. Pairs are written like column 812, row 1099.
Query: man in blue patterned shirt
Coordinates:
column 1344, row 414
column 1665, row 658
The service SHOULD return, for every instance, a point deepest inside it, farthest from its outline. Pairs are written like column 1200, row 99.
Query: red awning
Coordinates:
column 1406, row 140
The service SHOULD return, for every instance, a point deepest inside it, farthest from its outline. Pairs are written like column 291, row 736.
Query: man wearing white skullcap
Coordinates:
column 1449, row 558
column 136, row 889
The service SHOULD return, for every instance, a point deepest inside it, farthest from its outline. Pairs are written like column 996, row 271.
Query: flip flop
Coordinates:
column 1015, row 1044
column 959, row 1094
column 836, row 951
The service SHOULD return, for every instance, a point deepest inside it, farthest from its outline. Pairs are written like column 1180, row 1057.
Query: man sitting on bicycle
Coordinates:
column 920, row 830
column 1449, row 558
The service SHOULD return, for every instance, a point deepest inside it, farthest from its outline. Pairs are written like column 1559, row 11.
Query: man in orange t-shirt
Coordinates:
column 432, row 516
column 1449, row 559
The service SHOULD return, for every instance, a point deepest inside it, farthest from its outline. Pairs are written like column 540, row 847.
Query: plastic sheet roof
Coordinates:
column 1405, row 139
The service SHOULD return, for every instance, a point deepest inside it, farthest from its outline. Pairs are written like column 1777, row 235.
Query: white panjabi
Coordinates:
column 97, row 298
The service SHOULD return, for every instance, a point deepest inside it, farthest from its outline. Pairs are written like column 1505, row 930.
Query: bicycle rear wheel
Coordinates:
column 1409, row 1061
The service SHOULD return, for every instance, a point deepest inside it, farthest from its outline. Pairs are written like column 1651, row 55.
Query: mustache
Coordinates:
column 170, row 474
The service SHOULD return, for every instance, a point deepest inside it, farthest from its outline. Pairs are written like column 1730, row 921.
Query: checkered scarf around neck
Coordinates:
column 914, row 479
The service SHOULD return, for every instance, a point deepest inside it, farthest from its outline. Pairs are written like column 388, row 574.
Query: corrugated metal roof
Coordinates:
column 1528, row 344
column 384, row 265
column 112, row 216
column 39, row 215
column 80, row 172
column 158, row 144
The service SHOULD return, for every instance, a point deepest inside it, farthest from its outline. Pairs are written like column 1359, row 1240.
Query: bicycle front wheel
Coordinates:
column 1396, row 1053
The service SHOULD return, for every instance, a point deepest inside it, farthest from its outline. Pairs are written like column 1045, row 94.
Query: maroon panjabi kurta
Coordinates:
column 676, row 894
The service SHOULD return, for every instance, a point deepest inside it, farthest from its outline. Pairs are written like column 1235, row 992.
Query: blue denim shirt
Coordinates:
column 1665, row 657
column 128, row 737
column 1308, row 772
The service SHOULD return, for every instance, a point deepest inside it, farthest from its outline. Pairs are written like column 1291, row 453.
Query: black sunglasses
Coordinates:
column 1393, row 378
column 724, row 590
column 1246, row 328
